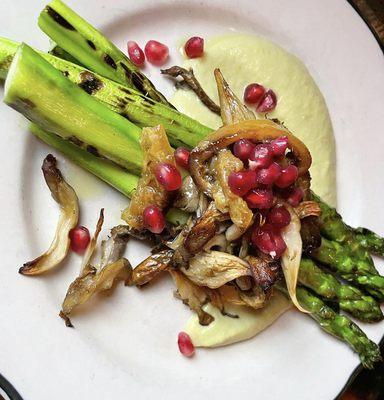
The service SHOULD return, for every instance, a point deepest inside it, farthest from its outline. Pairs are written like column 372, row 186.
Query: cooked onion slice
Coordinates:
column 308, row 209
column 94, row 279
column 232, row 109
column 151, row 267
column 149, row 191
column 215, row 269
column 66, row 198
column 290, row 260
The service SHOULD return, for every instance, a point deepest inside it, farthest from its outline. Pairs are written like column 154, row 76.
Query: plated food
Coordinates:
column 230, row 213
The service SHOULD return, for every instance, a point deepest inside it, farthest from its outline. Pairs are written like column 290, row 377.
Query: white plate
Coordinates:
column 125, row 346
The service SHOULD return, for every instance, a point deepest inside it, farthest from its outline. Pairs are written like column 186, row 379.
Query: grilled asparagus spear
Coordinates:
column 349, row 298
column 109, row 172
column 125, row 101
column 346, row 263
column 42, row 94
column 88, row 45
column 333, row 227
column 341, row 327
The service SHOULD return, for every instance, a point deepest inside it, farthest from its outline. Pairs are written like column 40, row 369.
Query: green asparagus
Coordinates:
column 370, row 241
column 88, row 45
column 125, row 101
column 334, row 228
column 107, row 171
column 349, row 266
column 42, row 94
column 341, row 327
column 349, row 298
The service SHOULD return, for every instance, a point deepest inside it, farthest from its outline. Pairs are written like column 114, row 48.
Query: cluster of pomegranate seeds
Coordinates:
column 259, row 184
column 185, row 344
column 242, row 149
column 242, row 182
column 182, row 157
column 293, row 196
column 168, row 176
column 194, row 47
column 268, row 239
column 264, row 100
column 80, row 239
column 156, row 52
column 135, row 53
column 153, row 219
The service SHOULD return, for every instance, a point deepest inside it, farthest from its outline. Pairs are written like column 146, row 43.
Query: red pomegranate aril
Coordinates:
column 153, row 219
column 242, row 149
column 279, row 217
column 260, row 198
column 242, row 182
column 268, row 240
column 294, row 196
column 287, row 177
column 185, row 344
column 268, row 102
column 194, row 47
column 156, row 52
column 253, row 93
column 182, row 157
column 279, row 146
column 136, row 55
column 79, row 238
column 168, row 176
column 261, row 156
column 267, row 176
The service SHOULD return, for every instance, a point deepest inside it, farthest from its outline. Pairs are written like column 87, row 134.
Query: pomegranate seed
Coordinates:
column 279, row 146
column 185, row 344
column 242, row 182
column 268, row 240
column 136, row 55
column 242, row 149
column 267, row 176
column 182, row 157
column 268, row 102
column 156, row 52
column 261, row 156
column 153, row 219
column 194, row 47
column 279, row 217
column 260, row 198
column 79, row 238
column 287, row 177
column 168, row 176
column 253, row 93
column 294, row 196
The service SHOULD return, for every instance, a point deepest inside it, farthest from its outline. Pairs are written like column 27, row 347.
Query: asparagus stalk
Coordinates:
column 57, row 51
column 349, row 298
column 341, row 327
column 370, row 241
column 8, row 49
column 42, row 94
column 334, row 228
column 93, row 49
column 348, row 266
column 125, row 101
column 107, row 171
